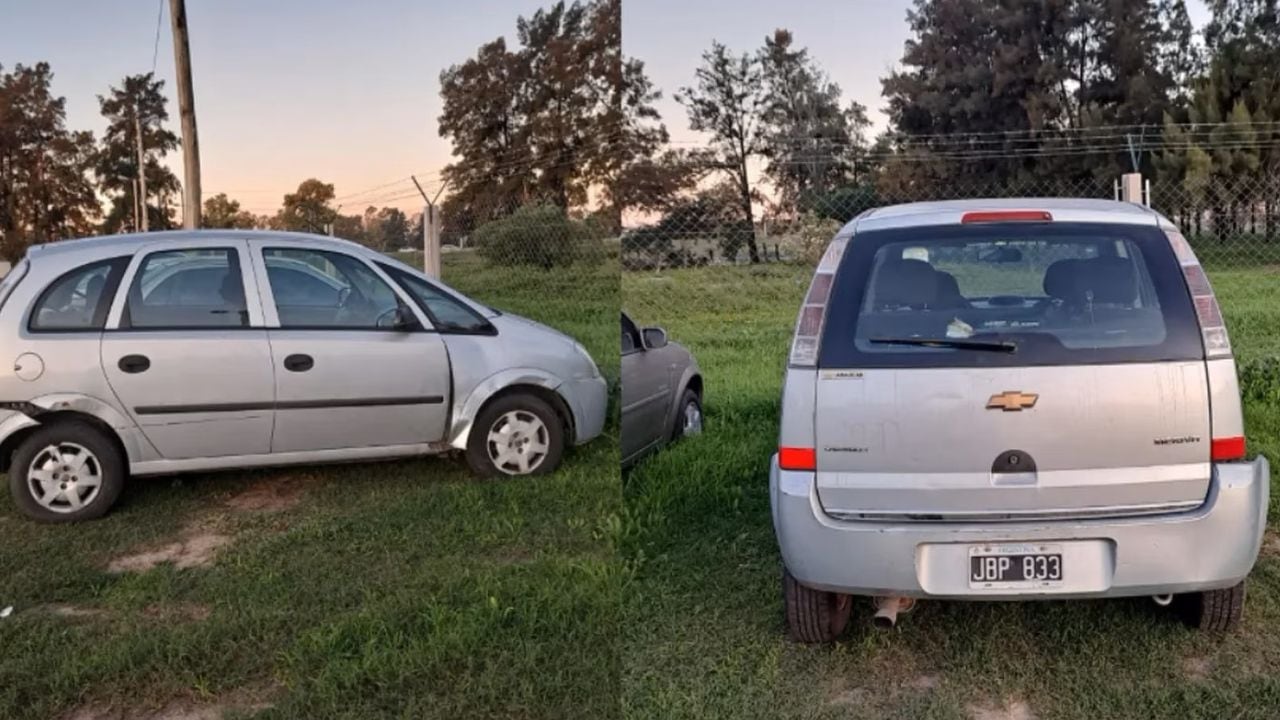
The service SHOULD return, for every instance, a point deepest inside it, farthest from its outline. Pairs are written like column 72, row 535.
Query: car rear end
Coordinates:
column 986, row 401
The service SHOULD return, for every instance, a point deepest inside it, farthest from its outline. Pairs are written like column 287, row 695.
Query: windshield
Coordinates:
column 1035, row 294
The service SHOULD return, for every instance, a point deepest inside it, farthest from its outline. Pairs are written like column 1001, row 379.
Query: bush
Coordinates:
column 541, row 236
column 1260, row 379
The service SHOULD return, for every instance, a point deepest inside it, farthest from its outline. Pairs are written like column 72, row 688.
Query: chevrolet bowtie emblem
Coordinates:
column 1012, row 401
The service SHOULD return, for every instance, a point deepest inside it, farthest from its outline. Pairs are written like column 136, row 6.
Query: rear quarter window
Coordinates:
column 1032, row 294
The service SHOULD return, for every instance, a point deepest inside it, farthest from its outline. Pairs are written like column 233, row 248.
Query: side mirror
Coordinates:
column 655, row 338
column 398, row 318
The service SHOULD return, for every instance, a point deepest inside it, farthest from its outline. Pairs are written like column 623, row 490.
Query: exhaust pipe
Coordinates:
column 887, row 610
column 1162, row 600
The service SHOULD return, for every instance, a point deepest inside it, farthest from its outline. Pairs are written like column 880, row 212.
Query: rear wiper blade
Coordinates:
column 992, row 345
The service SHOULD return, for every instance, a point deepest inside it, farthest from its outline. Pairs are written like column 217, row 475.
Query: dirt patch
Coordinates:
column 180, row 612
column 76, row 612
column 195, row 548
column 1197, row 669
column 271, row 494
column 1012, row 709
column 245, row 701
column 924, row 682
column 1271, row 543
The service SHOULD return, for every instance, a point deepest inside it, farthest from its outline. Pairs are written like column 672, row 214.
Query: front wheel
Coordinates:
column 518, row 434
column 65, row 472
column 689, row 417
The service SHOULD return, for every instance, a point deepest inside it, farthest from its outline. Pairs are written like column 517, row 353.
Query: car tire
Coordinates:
column 94, row 463
column 538, row 437
column 689, row 402
column 1214, row 610
column 814, row 616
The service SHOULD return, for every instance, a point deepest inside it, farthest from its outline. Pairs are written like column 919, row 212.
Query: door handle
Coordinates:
column 134, row 363
column 299, row 363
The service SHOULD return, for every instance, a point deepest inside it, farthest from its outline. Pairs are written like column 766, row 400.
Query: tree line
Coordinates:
column 58, row 183
column 990, row 97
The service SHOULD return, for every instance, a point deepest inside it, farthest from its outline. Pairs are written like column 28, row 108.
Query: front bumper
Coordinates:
column 588, row 398
column 1213, row 546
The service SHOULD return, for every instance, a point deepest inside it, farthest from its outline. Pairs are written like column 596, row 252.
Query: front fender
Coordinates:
column 468, row 401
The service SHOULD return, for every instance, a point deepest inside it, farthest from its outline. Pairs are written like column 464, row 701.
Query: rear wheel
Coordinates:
column 516, row 435
column 65, row 472
column 814, row 616
column 1213, row 610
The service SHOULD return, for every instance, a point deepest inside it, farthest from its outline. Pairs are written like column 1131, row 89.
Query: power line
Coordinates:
column 155, row 49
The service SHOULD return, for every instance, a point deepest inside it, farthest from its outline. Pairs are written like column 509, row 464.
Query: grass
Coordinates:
column 393, row 590
column 702, row 609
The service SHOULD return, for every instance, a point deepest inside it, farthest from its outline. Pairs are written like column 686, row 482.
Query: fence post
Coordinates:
column 1131, row 188
column 431, row 241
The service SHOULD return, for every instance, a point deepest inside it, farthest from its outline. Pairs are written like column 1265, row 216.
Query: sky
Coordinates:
column 348, row 92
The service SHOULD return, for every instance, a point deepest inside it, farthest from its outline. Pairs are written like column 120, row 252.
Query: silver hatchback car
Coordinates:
column 1012, row 400
column 182, row 351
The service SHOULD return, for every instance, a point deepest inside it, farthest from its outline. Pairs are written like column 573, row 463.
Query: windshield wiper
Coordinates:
column 991, row 345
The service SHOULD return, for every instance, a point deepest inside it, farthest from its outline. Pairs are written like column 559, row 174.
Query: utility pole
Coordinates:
column 142, row 169
column 431, row 226
column 187, row 110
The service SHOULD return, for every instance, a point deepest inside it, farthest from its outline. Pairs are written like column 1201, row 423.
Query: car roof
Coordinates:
column 130, row 242
column 950, row 212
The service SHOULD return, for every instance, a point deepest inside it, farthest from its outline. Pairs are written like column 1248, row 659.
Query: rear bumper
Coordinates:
column 1213, row 546
column 588, row 398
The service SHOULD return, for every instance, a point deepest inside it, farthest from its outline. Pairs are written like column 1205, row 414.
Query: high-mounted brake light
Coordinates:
column 1229, row 448
column 797, row 458
column 1212, row 327
column 804, row 347
column 995, row 216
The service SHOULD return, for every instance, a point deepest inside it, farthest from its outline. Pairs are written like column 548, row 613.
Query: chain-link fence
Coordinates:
column 556, row 267
column 700, row 261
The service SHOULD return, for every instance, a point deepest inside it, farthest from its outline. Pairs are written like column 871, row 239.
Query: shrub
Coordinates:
column 541, row 236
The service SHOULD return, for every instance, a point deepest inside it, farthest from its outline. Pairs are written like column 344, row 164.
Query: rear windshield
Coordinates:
column 1009, row 294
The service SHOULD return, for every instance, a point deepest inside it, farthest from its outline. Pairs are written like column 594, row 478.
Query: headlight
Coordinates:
column 586, row 357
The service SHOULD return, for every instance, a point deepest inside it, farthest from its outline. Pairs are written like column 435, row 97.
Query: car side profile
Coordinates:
column 201, row 350
column 1012, row 400
column 661, row 391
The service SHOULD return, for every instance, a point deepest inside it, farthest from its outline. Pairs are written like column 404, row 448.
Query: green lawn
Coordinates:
column 391, row 590
column 702, row 632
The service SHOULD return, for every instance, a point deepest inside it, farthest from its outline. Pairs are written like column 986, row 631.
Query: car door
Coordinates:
column 646, row 393
column 345, row 375
column 187, row 355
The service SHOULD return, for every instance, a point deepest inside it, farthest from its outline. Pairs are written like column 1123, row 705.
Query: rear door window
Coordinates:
column 1013, row 294
column 185, row 289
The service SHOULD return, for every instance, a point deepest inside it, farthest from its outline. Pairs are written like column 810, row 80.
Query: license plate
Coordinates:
column 1015, row 566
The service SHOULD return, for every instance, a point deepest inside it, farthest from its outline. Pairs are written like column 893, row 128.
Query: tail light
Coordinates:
column 990, row 216
column 804, row 347
column 1229, row 448
column 1212, row 327
column 797, row 458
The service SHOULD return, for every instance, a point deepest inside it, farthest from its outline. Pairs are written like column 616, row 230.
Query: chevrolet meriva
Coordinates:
column 1012, row 400
column 173, row 352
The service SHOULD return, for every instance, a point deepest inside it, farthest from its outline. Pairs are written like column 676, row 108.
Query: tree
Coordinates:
column 813, row 144
column 221, row 211
column 483, row 117
column 629, row 161
column 726, row 103
column 45, row 190
column 307, row 209
column 386, row 228
column 138, row 101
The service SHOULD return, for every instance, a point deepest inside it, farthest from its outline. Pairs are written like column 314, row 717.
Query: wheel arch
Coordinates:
column 54, row 417
column 539, row 384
